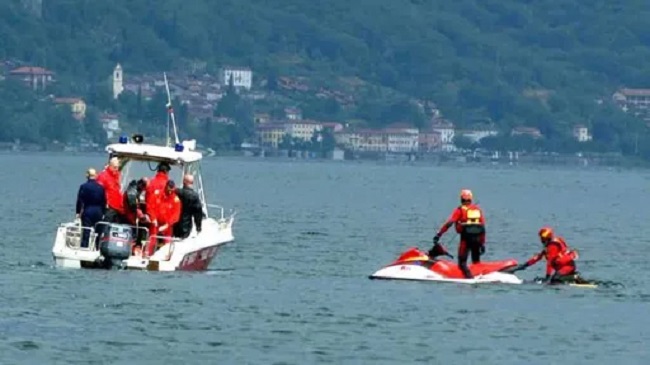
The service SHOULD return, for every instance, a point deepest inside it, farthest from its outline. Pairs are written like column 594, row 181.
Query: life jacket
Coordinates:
column 470, row 220
column 565, row 257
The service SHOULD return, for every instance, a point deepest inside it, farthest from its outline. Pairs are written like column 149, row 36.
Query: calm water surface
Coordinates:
column 293, row 288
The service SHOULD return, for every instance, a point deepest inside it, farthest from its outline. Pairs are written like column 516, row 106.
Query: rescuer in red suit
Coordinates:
column 560, row 259
column 469, row 221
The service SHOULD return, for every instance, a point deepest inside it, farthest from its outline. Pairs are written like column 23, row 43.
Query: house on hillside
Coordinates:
column 77, row 106
column 270, row 135
column 581, row 133
column 527, row 131
column 302, row 129
column 447, row 133
column 242, row 77
column 429, row 140
column 634, row 100
column 111, row 124
column 293, row 113
column 35, row 77
column 476, row 135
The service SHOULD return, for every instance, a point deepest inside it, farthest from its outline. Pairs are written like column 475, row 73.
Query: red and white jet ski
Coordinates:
column 417, row 265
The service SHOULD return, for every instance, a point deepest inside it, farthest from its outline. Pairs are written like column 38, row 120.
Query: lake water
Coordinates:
column 293, row 288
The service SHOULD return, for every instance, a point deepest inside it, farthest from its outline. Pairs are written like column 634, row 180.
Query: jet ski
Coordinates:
column 417, row 265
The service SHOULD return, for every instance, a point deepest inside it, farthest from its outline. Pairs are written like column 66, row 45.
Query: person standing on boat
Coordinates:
column 469, row 221
column 153, row 193
column 191, row 209
column 169, row 211
column 91, row 204
column 110, row 180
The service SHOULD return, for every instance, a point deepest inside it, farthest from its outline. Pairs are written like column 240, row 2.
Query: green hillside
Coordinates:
column 540, row 63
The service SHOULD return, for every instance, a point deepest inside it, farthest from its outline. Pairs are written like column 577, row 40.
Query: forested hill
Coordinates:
column 536, row 62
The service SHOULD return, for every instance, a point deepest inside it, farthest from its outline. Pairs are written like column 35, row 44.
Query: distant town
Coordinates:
column 200, row 93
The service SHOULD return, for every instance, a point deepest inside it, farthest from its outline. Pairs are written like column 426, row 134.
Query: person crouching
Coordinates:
column 168, row 214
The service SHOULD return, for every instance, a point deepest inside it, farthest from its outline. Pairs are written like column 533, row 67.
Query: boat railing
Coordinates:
column 73, row 235
column 74, row 232
column 221, row 209
column 164, row 240
column 222, row 215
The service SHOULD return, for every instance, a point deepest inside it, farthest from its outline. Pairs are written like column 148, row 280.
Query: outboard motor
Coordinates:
column 115, row 245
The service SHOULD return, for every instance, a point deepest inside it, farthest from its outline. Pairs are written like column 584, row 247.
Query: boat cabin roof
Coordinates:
column 150, row 152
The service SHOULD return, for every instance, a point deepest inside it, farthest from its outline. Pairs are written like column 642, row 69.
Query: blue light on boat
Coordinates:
column 124, row 139
column 178, row 147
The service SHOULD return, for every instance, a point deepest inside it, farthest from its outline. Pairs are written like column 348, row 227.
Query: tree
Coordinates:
column 464, row 143
column 474, row 59
column 93, row 127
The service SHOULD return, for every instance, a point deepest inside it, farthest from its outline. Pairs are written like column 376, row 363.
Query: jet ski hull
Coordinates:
column 416, row 265
column 413, row 272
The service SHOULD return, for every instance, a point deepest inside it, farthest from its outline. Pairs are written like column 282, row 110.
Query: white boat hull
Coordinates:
column 195, row 253
column 414, row 272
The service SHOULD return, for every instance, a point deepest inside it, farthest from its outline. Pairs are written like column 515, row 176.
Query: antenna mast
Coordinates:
column 170, row 112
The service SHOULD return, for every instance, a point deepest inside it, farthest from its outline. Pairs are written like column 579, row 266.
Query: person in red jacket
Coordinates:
column 110, row 180
column 170, row 210
column 560, row 259
column 469, row 222
column 153, row 193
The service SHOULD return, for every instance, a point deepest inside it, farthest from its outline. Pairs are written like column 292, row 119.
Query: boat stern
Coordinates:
column 67, row 251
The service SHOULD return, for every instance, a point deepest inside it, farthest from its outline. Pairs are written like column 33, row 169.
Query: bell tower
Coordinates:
column 118, row 81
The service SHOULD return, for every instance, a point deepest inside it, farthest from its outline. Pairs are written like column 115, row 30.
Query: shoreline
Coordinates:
column 563, row 162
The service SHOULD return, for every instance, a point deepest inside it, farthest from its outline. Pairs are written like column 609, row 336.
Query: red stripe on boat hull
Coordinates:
column 198, row 260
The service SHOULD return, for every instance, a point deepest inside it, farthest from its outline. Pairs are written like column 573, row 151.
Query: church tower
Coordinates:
column 118, row 81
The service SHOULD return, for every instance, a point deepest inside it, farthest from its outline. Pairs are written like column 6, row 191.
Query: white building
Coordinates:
column 118, row 81
column 111, row 125
column 397, row 140
column 447, row 133
column 402, row 141
column 476, row 135
column 293, row 113
column 242, row 77
column 302, row 129
column 581, row 133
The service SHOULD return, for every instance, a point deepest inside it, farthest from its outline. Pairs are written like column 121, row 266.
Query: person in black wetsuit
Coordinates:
column 91, row 204
column 191, row 209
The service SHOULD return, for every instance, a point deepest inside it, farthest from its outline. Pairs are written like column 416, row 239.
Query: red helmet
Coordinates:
column 546, row 233
column 466, row 194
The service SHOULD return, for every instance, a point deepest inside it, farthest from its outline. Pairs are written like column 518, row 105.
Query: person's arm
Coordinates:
column 79, row 205
column 483, row 237
column 197, row 212
column 103, row 201
column 453, row 218
column 535, row 259
column 175, row 214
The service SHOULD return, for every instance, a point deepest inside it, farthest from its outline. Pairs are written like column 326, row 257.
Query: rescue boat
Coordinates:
column 120, row 245
column 414, row 264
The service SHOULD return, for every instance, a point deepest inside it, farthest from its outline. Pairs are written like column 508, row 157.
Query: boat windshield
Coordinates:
column 135, row 169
